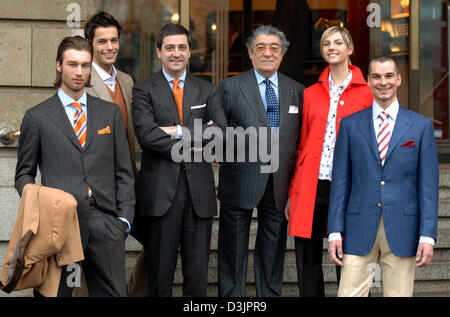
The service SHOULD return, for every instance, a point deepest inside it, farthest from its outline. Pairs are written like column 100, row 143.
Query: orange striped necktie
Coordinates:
column 80, row 124
column 178, row 96
column 79, row 127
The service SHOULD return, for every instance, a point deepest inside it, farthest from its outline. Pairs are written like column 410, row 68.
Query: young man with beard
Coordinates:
column 77, row 141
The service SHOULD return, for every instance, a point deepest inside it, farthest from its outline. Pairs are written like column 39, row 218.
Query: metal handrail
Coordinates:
column 8, row 135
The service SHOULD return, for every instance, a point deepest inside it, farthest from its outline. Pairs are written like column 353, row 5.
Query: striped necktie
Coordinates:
column 383, row 137
column 80, row 128
column 80, row 124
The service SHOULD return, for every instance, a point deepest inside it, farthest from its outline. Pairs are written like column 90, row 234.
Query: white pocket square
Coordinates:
column 198, row 107
column 293, row 109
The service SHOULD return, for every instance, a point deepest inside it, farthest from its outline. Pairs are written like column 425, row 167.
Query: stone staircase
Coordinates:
column 433, row 280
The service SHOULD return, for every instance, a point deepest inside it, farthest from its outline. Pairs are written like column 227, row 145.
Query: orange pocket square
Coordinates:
column 106, row 130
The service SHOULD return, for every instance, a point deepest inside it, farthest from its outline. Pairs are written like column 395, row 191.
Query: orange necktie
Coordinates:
column 178, row 96
column 80, row 127
column 80, row 124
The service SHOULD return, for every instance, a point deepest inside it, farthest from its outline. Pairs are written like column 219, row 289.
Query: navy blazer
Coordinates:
column 405, row 190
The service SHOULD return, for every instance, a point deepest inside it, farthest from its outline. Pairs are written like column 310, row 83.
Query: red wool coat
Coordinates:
column 316, row 105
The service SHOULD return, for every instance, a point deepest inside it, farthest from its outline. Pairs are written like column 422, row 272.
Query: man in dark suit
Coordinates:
column 264, row 99
column 78, row 141
column 108, row 83
column 175, row 200
column 384, row 193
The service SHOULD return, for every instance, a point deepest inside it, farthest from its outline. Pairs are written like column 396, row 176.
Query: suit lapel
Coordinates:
column 402, row 124
column 94, row 111
column 189, row 93
column 166, row 94
column 285, row 94
column 368, row 131
column 59, row 116
column 99, row 86
column 250, row 90
column 123, row 89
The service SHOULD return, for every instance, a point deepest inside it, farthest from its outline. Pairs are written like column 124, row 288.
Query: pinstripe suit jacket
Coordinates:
column 241, row 184
column 48, row 141
column 154, row 106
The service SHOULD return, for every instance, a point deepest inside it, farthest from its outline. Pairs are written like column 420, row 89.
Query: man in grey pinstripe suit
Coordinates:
column 95, row 168
column 243, row 185
column 175, row 200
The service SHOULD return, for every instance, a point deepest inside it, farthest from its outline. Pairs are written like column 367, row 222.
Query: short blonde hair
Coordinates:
column 345, row 35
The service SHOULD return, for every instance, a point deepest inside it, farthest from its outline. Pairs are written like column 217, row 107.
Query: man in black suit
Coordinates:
column 175, row 200
column 78, row 142
column 265, row 99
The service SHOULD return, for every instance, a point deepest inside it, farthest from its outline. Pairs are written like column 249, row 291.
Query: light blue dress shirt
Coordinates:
column 66, row 101
column 181, row 84
column 262, row 86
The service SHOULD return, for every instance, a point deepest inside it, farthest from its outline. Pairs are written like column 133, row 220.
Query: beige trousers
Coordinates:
column 360, row 273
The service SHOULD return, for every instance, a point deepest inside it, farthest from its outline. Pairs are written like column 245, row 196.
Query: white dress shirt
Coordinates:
column 109, row 80
column 392, row 112
column 329, row 141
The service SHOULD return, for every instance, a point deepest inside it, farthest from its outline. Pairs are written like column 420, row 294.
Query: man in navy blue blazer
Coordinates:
column 384, row 192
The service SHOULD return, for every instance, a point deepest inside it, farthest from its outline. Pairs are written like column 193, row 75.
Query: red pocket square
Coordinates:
column 409, row 143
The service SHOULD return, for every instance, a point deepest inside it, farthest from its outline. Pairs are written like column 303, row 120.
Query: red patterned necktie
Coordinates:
column 383, row 137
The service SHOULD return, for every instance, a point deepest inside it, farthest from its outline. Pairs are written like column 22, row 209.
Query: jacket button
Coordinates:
column 379, row 204
column 341, row 102
column 383, row 183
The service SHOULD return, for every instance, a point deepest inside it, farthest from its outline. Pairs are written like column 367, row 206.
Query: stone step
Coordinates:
column 442, row 242
column 437, row 270
column 421, row 289
column 441, row 259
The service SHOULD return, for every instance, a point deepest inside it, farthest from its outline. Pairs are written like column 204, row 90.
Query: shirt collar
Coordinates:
column 170, row 78
column 66, row 100
column 103, row 74
column 346, row 81
column 260, row 78
column 391, row 111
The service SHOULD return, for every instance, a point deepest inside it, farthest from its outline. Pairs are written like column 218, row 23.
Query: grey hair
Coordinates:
column 268, row 30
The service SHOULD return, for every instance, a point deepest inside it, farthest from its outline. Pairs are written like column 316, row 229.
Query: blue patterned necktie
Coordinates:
column 273, row 111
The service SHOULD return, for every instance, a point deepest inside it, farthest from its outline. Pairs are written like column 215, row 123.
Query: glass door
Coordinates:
column 434, row 84
column 208, row 25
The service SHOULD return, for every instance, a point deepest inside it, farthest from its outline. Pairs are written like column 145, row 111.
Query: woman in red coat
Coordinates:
column 340, row 91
